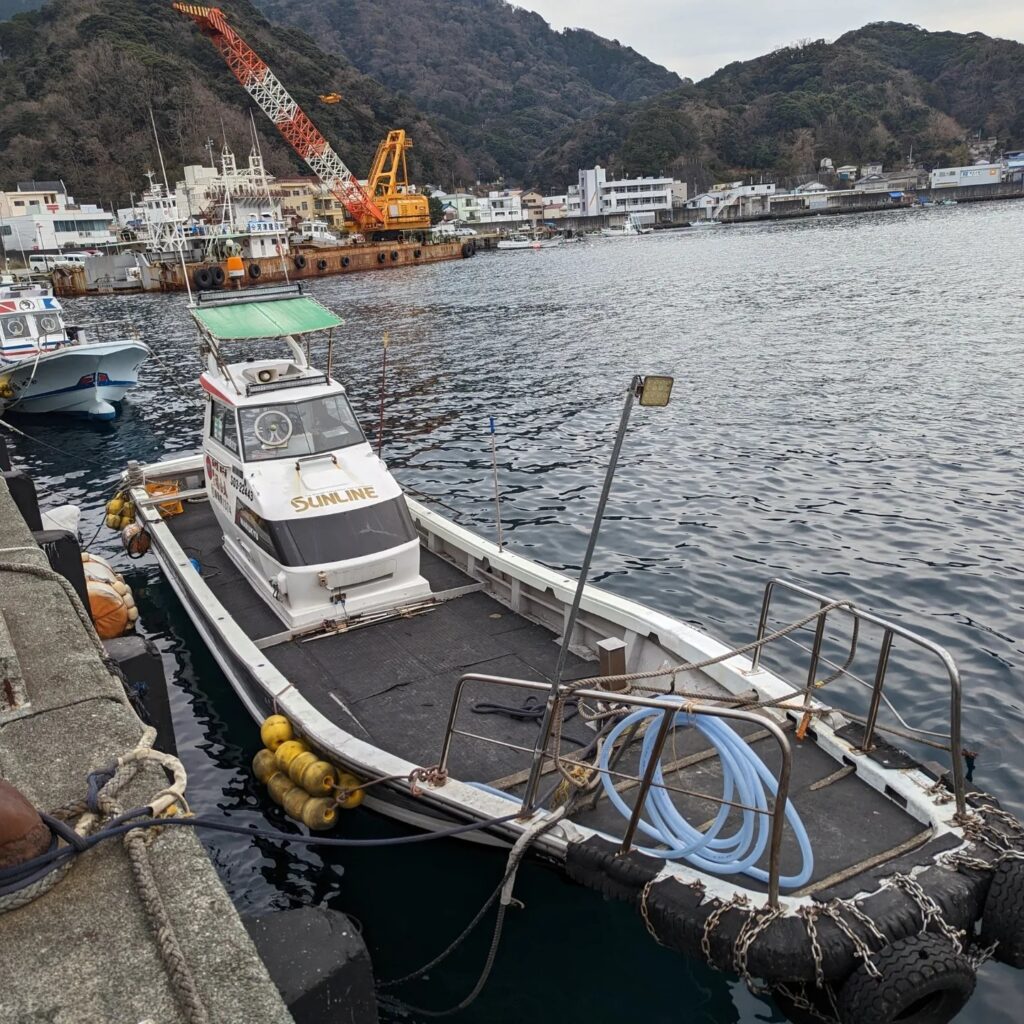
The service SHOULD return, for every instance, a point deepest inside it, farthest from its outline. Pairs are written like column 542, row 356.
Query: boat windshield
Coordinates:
column 298, row 428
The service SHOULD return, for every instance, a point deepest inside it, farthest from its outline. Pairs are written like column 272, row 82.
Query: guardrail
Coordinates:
column 891, row 630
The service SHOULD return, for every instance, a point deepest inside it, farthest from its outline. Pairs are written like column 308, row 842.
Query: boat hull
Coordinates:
column 85, row 381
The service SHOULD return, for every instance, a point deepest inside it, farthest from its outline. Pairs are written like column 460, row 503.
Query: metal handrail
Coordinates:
column 670, row 709
column 891, row 630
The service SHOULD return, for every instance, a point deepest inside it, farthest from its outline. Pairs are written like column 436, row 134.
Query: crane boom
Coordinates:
column 275, row 101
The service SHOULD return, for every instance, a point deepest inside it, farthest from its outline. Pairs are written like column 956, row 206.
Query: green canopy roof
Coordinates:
column 267, row 319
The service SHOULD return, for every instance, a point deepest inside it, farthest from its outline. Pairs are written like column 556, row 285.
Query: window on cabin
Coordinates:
column 294, row 430
column 223, row 428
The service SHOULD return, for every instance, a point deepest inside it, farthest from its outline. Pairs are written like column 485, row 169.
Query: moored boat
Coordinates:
column 47, row 367
column 829, row 863
column 520, row 241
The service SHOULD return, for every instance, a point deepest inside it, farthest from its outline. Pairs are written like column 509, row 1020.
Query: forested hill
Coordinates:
column 497, row 78
column 871, row 95
column 78, row 76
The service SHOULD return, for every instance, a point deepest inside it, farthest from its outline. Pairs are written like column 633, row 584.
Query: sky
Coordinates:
column 696, row 37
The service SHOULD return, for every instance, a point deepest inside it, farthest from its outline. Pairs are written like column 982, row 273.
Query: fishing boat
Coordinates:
column 520, row 241
column 629, row 228
column 48, row 367
column 472, row 690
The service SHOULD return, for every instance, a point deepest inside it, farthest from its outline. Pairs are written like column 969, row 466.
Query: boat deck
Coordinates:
column 392, row 683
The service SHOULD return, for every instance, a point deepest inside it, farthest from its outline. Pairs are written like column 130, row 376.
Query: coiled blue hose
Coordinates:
column 745, row 779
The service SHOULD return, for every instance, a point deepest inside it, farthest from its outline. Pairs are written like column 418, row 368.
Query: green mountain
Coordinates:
column 498, row 79
column 874, row 94
column 78, row 77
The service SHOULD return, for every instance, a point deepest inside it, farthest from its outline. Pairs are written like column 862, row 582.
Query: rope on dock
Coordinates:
column 136, row 844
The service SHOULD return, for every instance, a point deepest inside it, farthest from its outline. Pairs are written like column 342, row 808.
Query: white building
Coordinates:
column 976, row 174
column 41, row 216
column 646, row 200
column 556, row 207
column 506, row 205
column 460, row 206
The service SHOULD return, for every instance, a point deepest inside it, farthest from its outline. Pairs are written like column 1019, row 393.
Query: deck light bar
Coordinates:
column 655, row 392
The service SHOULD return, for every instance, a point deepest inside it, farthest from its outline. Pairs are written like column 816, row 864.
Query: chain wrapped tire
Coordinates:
column 1002, row 920
column 922, row 980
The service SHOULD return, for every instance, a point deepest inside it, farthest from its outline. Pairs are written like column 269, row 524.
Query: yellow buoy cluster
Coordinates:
column 111, row 604
column 120, row 511
column 308, row 788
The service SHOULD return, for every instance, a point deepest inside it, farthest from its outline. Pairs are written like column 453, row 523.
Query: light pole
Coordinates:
column 653, row 392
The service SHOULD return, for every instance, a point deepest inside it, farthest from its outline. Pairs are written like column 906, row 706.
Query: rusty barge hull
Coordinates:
column 169, row 275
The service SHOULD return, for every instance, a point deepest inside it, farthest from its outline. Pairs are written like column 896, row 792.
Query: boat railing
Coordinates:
column 105, row 330
column 890, row 632
column 624, row 703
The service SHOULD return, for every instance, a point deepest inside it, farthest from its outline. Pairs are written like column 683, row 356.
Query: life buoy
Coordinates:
column 345, row 261
column 394, row 255
column 321, row 264
column 381, row 257
column 920, row 980
column 203, row 278
column 255, row 270
column 416, row 254
column 300, row 261
column 218, row 276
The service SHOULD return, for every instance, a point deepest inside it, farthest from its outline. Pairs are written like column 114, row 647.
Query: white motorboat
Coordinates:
column 47, row 367
column 629, row 228
column 520, row 241
column 401, row 646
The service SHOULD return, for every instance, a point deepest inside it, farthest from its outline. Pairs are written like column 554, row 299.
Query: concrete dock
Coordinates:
column 86, row 951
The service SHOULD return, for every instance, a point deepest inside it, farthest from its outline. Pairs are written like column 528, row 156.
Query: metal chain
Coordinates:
column 801, row 1002
column 860, row 947
column 645, row 913
column 810, row 919
column 930, row 910
column 737, row 900
column 753, row 926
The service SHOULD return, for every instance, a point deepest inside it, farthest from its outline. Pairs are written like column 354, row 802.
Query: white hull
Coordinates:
column 547, row 243
column 81, row 380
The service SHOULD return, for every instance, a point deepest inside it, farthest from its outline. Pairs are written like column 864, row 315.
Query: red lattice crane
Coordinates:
column 274, row 100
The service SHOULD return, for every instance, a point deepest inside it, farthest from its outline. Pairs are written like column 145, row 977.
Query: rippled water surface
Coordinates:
column 846, row 412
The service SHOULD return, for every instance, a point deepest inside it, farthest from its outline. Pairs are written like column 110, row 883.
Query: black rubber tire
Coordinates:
column 394, row 255
column 467, row 250
column 255, row 270
column 218, row 276
column 1002, row 920
column 381, row 257
column 203, row 278
column 417, row 253
column 300, row 262
column 321, row 265
column 345, row 261
column 923, row 981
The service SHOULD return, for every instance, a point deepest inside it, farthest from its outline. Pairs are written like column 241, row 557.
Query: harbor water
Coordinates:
column 846, row 412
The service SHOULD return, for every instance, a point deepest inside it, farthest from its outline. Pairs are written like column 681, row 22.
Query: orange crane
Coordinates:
column 382, row 208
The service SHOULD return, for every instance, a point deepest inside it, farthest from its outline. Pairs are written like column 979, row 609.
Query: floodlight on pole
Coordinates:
column 653, row 392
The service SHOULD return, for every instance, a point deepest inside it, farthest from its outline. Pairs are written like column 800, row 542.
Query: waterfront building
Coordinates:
column 41, row 216
column 533, row 207
column 847, row 173
column 709, row 205
column 505, row 205
column 891, row 181
column 975, row 174
column 460, row 206
column 556, row 207
column 646, row 199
